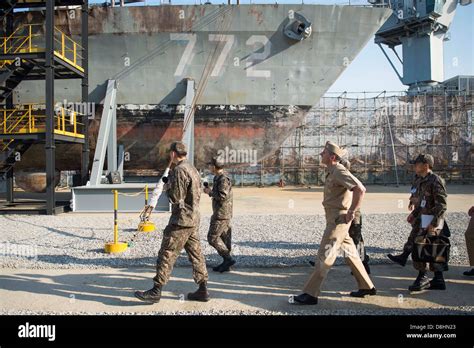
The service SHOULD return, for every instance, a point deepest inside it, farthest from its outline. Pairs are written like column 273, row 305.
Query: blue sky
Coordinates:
column 371, row 71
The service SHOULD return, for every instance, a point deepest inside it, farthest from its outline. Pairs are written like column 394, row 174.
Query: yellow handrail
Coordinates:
column 25, row 120
column 65, row 45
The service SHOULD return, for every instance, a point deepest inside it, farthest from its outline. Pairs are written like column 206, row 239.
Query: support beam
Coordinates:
column 121, row 160
column 103, row 143
column 85, row 90
column 50, row 147
column 9, row 105
column 391, row 63
column 188, row 123
column 112, row 142
column 9, row 185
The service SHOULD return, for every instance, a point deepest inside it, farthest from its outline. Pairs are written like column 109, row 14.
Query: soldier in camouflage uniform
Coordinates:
column 432, row 201
column 184, row 192
column 415, row 225
column 355, row 232
column 220, row 230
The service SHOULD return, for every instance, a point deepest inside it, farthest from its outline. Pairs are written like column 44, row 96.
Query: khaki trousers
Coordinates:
column 470, row 241
column 335, row 239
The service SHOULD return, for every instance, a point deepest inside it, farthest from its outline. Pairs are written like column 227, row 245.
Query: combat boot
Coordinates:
column 200, row 294
column 228, row 262
column 153, row 295
column 421, row 282
column 438, row 282
column 400, row 259
column 469, row 273
column 218, row 267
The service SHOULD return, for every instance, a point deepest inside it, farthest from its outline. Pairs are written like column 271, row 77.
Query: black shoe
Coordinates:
column 400, row 259
column 153, row 295
column 364, row 292
column 218, row 267
column 437, row 283
column 469, row 273
column 201, row 294
column 420, row 283
column 305, row 299
column 312, row 263
column 225, row 267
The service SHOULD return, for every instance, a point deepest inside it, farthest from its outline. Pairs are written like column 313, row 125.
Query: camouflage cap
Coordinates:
column 217, row 161
column 335, row 149
column 179, row 147
column 423, row 158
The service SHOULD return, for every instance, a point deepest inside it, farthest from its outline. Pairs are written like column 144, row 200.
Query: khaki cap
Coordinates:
column 335, row 149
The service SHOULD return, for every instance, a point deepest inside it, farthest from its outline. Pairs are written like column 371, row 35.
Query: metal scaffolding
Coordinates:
column 382, row 132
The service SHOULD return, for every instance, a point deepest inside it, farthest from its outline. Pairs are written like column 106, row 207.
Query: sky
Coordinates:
column 371, row 71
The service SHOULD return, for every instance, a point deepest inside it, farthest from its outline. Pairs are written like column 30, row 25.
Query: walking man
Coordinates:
column 184, row 192
column 343, row 195
column 402, row 258
column 429, row 210
column 470, row 242
column 220, row 230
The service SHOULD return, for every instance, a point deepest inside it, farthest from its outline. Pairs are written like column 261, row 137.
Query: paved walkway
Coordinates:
column 110, row 290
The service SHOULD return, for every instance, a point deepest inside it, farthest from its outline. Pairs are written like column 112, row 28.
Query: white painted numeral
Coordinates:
column 188, row 51
column 254, row 57
column 229, row 41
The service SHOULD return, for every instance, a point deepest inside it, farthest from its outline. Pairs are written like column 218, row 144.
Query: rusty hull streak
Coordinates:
column 146, row 134
column 257, row 14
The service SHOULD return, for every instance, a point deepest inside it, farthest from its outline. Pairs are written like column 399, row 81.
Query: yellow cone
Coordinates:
column 146, row 226
column 112, row 248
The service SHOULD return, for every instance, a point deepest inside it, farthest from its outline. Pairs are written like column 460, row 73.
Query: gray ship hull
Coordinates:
column 254, row 83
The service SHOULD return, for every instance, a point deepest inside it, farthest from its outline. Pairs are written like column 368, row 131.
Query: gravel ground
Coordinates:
column 75, row 241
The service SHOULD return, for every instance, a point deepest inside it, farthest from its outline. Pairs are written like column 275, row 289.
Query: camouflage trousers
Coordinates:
column 408, row 246
column 220, row 236
column 355, row 232
column 470, row 241
column 175, row 238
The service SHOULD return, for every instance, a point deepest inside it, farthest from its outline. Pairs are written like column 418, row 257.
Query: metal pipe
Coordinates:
column 50, row 147
column 85, row 91
column 115, row 216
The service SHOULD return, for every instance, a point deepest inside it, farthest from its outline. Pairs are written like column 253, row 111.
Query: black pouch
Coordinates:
column 432, row 249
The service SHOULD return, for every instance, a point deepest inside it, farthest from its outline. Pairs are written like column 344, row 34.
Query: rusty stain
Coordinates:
column 257, row 14
column 146, row 134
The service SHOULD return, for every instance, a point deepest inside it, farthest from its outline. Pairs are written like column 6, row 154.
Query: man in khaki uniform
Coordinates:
column 470, row 242
column 342, row 197
column 184, row 192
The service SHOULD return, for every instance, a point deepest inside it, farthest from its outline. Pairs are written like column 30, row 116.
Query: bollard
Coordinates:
column 116, row 246
column 146, row 225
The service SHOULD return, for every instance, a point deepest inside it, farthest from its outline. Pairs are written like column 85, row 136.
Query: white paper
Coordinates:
column 425, row 220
